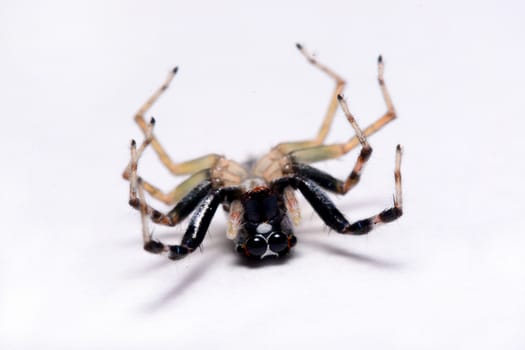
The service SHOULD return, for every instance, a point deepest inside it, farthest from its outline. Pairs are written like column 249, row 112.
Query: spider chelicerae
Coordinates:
column 259, row 196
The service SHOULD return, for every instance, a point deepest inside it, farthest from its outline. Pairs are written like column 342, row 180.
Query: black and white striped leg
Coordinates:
column 181, row 210
column 195, row 233
column 323, row 179
column 387, row 215
column 201, row 197
column 325, row 208
column 364, row 154
column 300, row 157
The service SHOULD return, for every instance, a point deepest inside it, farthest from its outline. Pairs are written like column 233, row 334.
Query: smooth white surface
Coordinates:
column 449, row 275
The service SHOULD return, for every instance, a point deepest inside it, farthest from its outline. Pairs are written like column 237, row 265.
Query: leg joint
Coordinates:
column 135, row 203
column 360, row 227
column 154, row 247
column 366, row 152
column 391, row 214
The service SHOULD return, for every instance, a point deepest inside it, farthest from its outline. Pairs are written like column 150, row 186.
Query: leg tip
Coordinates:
column 154, row 247
column 175, row 70
column 391, row 214
column 298, row 46
column 178, row 252
column 380, row 59
column 399, row 151
column 134, row 202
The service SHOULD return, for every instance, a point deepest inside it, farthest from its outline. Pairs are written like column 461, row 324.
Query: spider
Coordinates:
column 259, row 196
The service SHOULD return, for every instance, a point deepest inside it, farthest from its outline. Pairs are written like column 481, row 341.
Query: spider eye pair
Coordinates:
column 276, row 243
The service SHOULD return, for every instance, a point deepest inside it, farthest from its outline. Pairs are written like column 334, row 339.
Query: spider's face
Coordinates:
column 267, row 231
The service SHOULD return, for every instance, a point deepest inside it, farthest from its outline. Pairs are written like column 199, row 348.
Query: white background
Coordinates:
column 450, row 274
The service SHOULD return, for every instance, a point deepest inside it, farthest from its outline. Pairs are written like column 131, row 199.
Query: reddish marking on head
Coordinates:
column 258, row 191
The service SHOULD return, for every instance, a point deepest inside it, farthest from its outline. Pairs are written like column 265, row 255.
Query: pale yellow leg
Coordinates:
column 325, row 152
column 317, row 153
column 398, row 199
column 136, row 196
column 179, row 191
column 199, row 167
column 188, row 167
column 287, row 147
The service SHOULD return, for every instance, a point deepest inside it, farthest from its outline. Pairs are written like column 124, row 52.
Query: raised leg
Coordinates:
column 324, row 152
column 199, row 168
column 325, row 180
column 183, row 208
column 387, row 215
column 140, row 120
column 287, row 147
column 201, row 197
column 389, row 115
column 182, row 168
column 326, row 209
column 135, row 188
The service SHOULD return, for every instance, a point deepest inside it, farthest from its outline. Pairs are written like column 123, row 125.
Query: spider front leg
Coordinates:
column 136, row 185
column 203, row 197
column 198, row 226
column 194, row 234
column 332, row 217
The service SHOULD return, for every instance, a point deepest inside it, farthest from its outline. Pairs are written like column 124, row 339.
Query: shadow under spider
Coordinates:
column 345, row 253
column 260, row 263
column 220, row 246
column 191, row 276
column 213, row 248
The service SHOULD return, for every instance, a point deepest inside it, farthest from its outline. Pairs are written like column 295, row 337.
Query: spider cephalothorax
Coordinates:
column 267, row 230
column 259, row 196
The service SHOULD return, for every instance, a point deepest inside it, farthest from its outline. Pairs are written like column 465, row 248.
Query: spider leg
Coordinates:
column 202, row 197
column 323, row 179
column 188, row 167
column 198, row 226
column 184, row 206
column 199, row 168
column 326, row 209
column 178, row 192
column 223, row 171
column 287, row 147
column 195, row 232
column 317, row 152
column 388, row 215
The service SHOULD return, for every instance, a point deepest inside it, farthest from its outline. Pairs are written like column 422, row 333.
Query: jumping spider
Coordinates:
column 259, row 197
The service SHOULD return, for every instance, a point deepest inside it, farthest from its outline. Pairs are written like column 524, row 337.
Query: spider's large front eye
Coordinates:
column 256, row 246
column 278, row 242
